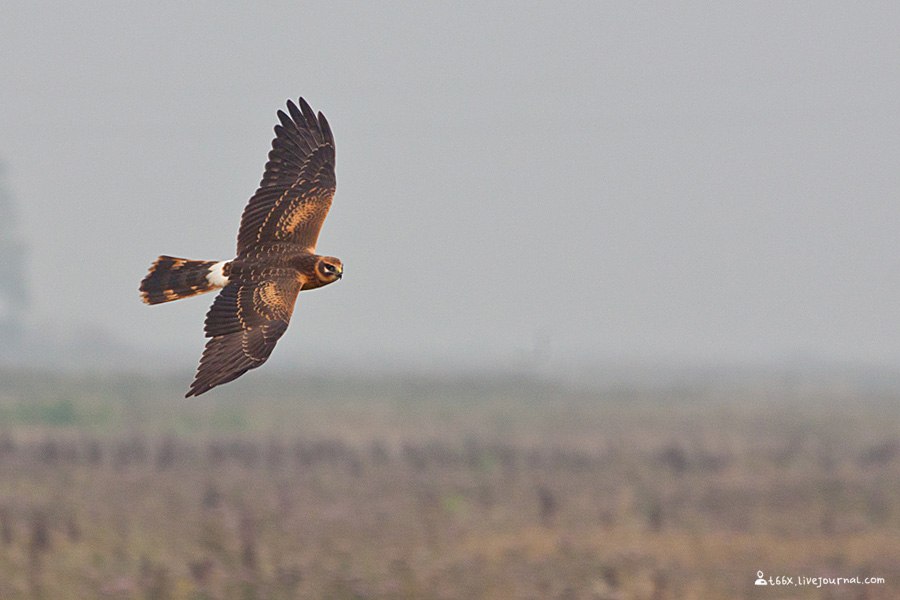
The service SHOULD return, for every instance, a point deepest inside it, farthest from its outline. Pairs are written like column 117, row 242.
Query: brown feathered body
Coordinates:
column 284, row 261
column 275, row 256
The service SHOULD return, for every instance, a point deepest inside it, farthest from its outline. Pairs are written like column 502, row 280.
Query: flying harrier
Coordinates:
column 276, row 254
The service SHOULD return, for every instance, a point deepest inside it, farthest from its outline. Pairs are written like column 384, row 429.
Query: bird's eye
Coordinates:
column 328, row 268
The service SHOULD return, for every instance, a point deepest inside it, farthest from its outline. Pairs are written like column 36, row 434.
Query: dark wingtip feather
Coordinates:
column 309, row 115
column 304, row 105
column 285, row 120
column 296, row 115
column 326, row 129
column 195, row 390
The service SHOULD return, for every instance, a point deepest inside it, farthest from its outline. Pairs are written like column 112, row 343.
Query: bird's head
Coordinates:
column 329, row 269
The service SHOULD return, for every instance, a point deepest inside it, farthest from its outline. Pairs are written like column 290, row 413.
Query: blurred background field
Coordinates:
column 415, row 487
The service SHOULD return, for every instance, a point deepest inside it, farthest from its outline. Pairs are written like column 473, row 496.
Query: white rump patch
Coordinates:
column 215, row 276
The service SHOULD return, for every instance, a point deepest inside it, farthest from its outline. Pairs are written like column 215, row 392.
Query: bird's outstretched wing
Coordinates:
column 297, row 186
column 245, row 321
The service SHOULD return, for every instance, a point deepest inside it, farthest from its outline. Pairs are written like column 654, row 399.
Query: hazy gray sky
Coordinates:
column 606, row 181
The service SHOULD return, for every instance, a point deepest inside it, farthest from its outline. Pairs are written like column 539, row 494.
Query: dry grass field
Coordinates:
column 116, row 487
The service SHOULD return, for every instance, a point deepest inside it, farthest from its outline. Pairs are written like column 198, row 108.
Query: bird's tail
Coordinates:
column 173, row 278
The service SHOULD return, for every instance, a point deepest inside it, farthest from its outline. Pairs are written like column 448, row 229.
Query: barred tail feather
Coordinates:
column 172, row 278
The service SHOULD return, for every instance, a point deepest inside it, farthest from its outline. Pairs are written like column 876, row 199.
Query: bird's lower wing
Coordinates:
column 244, row 323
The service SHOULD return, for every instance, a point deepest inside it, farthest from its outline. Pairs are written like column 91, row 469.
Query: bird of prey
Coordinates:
column 276, row 254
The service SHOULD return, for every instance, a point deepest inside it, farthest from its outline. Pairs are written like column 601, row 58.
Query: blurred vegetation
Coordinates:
column 117, row 487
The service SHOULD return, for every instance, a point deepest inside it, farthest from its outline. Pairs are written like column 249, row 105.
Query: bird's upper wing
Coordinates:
column 245, row 321
column 297, row 186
